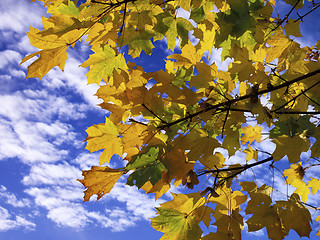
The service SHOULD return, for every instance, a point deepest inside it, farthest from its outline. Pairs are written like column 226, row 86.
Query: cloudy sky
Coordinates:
column 42, row 128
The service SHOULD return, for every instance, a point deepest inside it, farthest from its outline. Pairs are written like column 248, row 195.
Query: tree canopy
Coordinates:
column 183, row 125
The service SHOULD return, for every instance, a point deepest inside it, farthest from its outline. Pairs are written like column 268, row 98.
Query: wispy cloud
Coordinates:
column 8, row 222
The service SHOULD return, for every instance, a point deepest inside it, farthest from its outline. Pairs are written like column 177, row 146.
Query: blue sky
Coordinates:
column 42, row 128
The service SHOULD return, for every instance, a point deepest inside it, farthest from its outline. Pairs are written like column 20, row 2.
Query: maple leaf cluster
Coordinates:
column 180, row 125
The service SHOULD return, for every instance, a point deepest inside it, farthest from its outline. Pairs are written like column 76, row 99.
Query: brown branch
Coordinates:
column 135, row 121
column 163, row 121
column 300, row 17
column 242, row 168
column 303, row 93
column 245, row 167
column 285, row 18
column 277, row 112
column 124, row 17
column 245, row 97
column 295, row 97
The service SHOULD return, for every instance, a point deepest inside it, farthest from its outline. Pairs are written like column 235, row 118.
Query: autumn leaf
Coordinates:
column 251, row 154
column 295, row 216
column 251, row 134
column 102, row 64
column 295, row 178
column 176, row 225
column 314, row 184
column 290, row 146
column 99, row 181
column 292, row 28
column 48, row 59
column 191, row 122
column 104, row 136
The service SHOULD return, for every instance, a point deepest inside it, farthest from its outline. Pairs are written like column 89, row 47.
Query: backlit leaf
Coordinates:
column 99, row 181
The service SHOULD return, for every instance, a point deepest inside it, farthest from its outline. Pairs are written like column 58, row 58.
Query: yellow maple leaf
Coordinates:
column 102, row 64
column 191, row 204
column 104, row 136
column 314, row 184
column 295, row 175
column 44, row 42
column 251, row 154
column 205, row 77
column 227, row 200
column 48, row 59
column 189, row 56
column 99, row 181
column 280, row 43
column 251, row 134
column 228, row 227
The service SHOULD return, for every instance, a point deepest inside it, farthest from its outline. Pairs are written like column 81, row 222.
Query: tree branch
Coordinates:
column 235, row 100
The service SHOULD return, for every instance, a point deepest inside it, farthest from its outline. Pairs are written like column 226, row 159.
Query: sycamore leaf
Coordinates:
column 104, row 136
column 99, row 181
column 266, row 216
column 290, row 146
column 176, row 225
column 231, row 141
column 226, row 201
column 214, row 161
column 185, row 4
column 279, row 43
column 102, row 63
column 147, row 168
column 188, row 57
column 190, row 179
column 205, row 77
column 48, row 59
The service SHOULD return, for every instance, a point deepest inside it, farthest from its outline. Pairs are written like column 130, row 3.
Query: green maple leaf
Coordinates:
column 137, row 41
column 172, row 28
column 70, row 9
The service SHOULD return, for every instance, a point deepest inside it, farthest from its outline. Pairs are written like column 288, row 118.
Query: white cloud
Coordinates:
column 215, row 57
column 137, row 202
column 20, row 140
column 13, row 15
column 73, row 78
column 50, row 174
column 7, row 222
column 65, row 208
column 86, row 160
column 69, row 216
column 9, row 57
column 11, row 199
